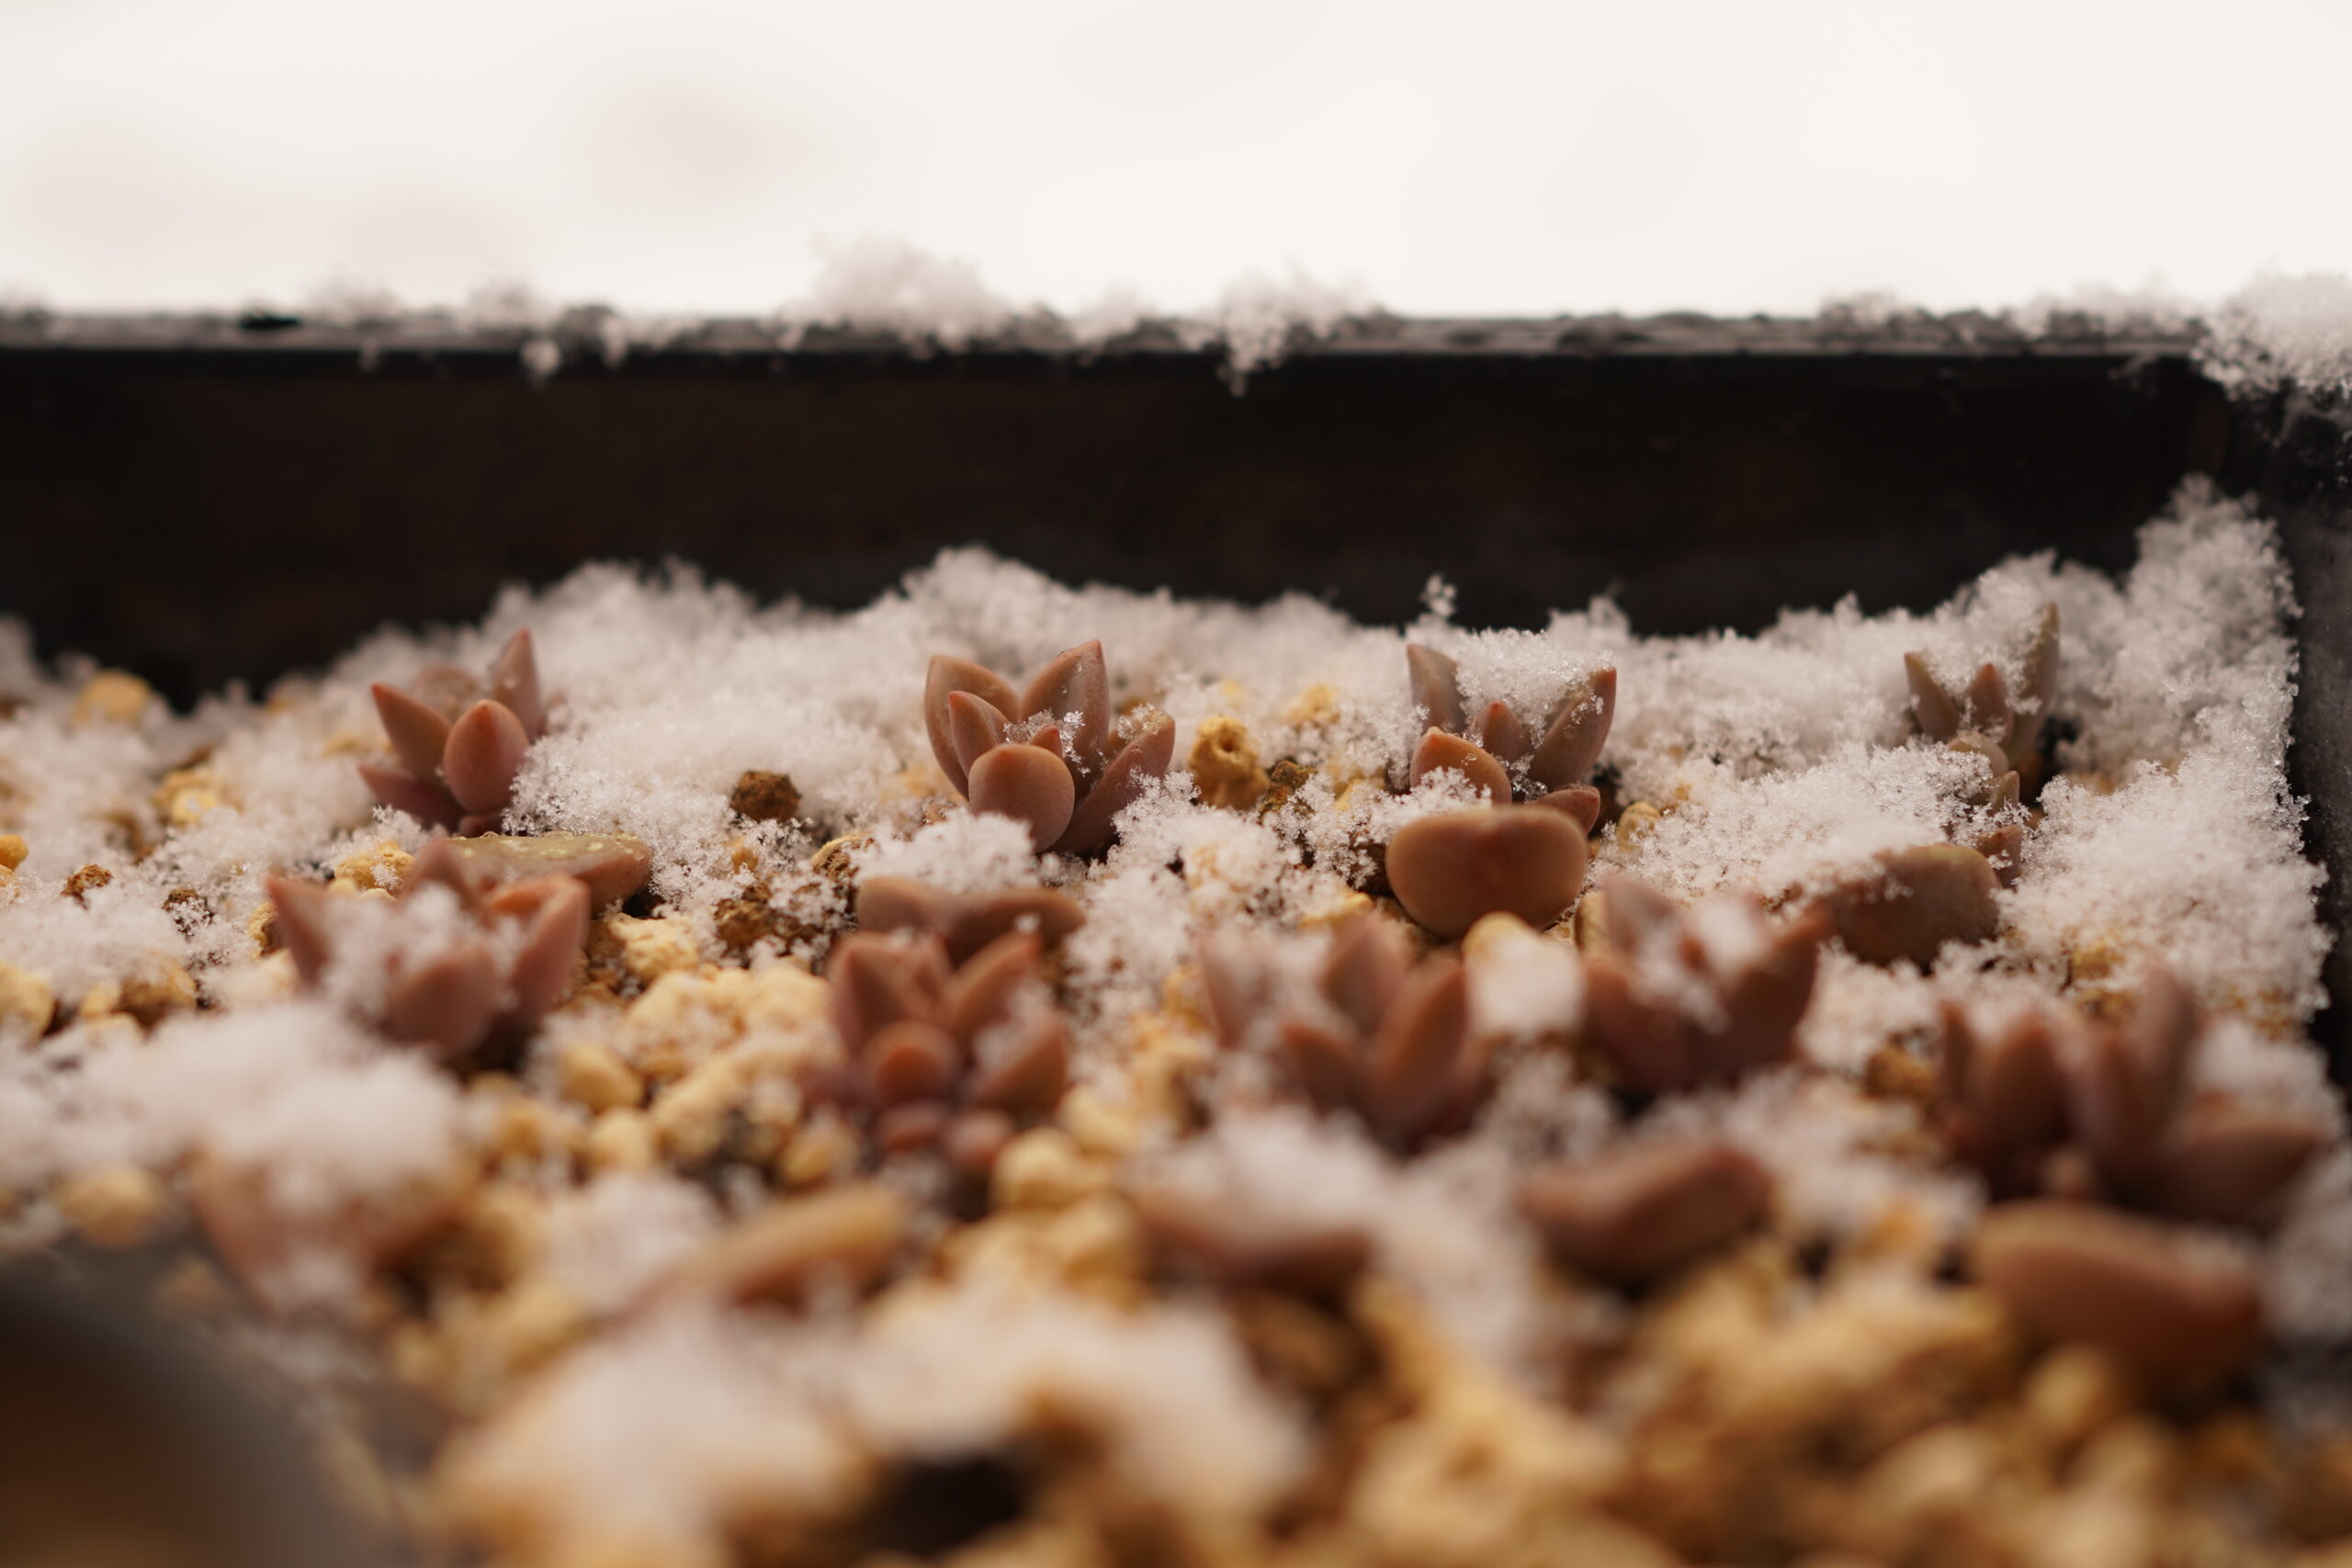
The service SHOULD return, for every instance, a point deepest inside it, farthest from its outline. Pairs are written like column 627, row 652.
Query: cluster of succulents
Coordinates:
column 1054, row 757
column 942, row 1054
column 1376, row 1035
column 524, row 905
column 459, row 742
column 1529, row 860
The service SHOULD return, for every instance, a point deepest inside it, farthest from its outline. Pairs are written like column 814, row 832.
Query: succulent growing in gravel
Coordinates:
column 1636, row 1213
column 1450, row 869
column 1676, row 998
column 944, row 1056
column 2053, row 1102
column 1375, row 1034
column 1909, row 903
column 459, row 746
column 511, row 959
column 1053, row 758
column 965, row 922
column 1984, row 716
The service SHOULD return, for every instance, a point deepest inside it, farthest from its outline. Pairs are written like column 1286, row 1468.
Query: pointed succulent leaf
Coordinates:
column 403, row 791
column 910, row 1060
column 302, row 915
column 2180, row 1314
column 417, row 731
column 447, row 1002
column 2228, row 1165
column 1503, row 737
column 1413, row 1077
column 1986, row 703
column 874, row 984
column 1978, row 744
column 1075, row 689
column 1638, row 1213
column 2002, row 847
column 965, row 922
column 1938, row 715
column 1031, row 1071
column 1765, row 998
column 554, row 936
column 440, row 864
column 2035, row 698
column 1440, row 751
column 515, row 682
column 1625, row 913
column 1143, row 759
column 484, row 752
column 1654, row 1050
column 1367, row 969
column 947, row 676
column 1580, row 728
column 1323, row 1063
column 1436, row 686
column 1028, row 783
column 982, row 992
column 1450, row 869
column 973, row 726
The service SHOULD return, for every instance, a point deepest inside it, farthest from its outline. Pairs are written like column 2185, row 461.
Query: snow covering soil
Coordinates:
column 1777, row 763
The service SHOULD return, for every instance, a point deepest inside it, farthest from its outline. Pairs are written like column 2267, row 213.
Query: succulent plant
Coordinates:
column 1911, row 902
column 1247, row 1246
column 1452, row 868
column 1639, row 1212
column 2181, row 1310
column 1984, row 716
column 1374, row 1034
column 2060, row 1104
column 1678, row 997
column 1053, row 758
column 942, row 1055
column 459, row 746
column 965, row 922
column 515, row 962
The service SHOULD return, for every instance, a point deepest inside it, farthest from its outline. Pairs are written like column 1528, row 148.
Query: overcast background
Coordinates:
column 1440, row 158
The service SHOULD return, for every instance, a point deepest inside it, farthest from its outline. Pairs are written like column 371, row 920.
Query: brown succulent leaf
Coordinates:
column 2233, row 1166
column 842, row 1236
column 911, row 1059
column 554, row 936
column 447, row 1002
column 975, row 1139
column 2003, row 848
column 877, row 982
column 417, row 731
column 301, row 924
column 947, row 676
column 612, row 865
column 1765, row 999
column 1580, row 728
column 515, row 683
column 1979, row 745
column 1238, row 1247
column 1938, row 715
column 974, row 727
column 485, row 750
column 258, row 1239
column 1028, row 783
column 1654, row 1050
column 1637, row 1213
column 1985, row 703
column 1502, row 735
column 1415, row 1076
column 1367, row 969
column 1436, row 684
column 2009, row 1094
column 2123, row 1083
column 1322, row 1063
column 1075, row 689
column 917, row 1127
column 427, row 802
column 965, row 922
column 1122, row 784
column 442, row 864
column 1029, row 1075
column 2183, row 1315
column 1626, row 913
column 2040, row 690
column 1915, row 902
column 1451, row 869
column 446, row 689
column 982, row 991
column 1439, row 752
column 1580, row 802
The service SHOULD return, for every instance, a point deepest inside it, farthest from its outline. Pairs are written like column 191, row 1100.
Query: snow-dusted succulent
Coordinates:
column 965, row 922
column 1636, row 1213
column 1373, row 1034
column 1984, row 716
column 1053, row 758
column 460, row 745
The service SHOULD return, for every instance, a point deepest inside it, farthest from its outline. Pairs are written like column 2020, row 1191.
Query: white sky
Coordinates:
column 1445, row 157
